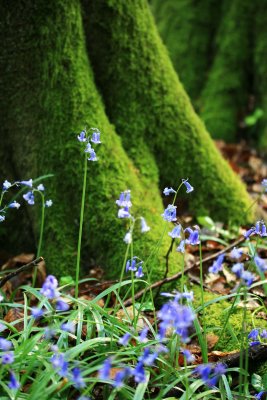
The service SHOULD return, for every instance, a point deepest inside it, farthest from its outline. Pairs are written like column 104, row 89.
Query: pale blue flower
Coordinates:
column 41, row 187
column 13, row 382
column 48, row 203
column 144, row 226
column 82, row 136
column 176, row 232
column 181, row 247
column 260, row 263
column 264, row 184
column 7, row 358
column 189, row 188
column 93, row 156
column 2, row 218
column 88, row 148
column 236, row 253
column 217, row 265
column 27, row 183
column 6, row 185
column 125, row 339
column 170, row 213
column 105, row 369
column 125, row 199
column 128, row 238
column 96, row 137
column 247, row 277
column 29, row 197
column 139, row 273
column 167, row 191
column 124, row 213
column 14, row 204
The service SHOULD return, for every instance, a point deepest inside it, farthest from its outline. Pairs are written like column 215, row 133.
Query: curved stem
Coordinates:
column 40, row 236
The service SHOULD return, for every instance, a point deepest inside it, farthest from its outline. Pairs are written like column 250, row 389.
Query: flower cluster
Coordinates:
column 135, row 266
column 255, row 336
column 87, row 140
column 246, row 277
column 209, row 373
column 7, row 358
column 50, row 291
column 259, row 229
column 61, row 366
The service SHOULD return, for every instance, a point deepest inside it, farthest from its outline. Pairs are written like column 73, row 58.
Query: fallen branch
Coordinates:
column 172, row 278
column 33, row 263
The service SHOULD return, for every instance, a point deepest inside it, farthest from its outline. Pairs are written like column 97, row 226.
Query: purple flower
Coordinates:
column 68, row 327
column 49, row 288
column 259, row 395
column 236, row 253
column 41, row 187
column 105, row 369
column 37, row 312
column 139, row 273
column 2, row 218
column 14, row 204
column 128, row 237
column 247, row 277
column 189, row 188
column 131, row 265
column 59, row 364
column 253, row 334
column 5, row 344
column 124, row 213
column 181, row 247
column 264, row 184
column 238, row 269
column 62, row 305
column 188, row 356
column 176, row 232
column 139, row 373
column 125, row 199
column 217, row 265
column 170, row 213
column 260, row 263
column 204, row 370
column 96, row 137
column 125, row 339
column 13, row 382
column 167, row 191
column 88, row 148
column 143, row 335
column 264, row 334
column 29, row 197
column 119, row 377
column 48, row 203
column 148, row 358
column 6, row 185
column 193, row 238
column 77, row 378
column 93, row 156
column 82, row 136
column 8, row 358
column 144, row 226
column 27, row 183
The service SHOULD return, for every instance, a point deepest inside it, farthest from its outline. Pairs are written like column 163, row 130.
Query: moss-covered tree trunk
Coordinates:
column 48, row 94
column 152, row 113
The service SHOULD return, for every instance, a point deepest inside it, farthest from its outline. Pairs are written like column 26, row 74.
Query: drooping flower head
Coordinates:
column 144, row 227
column 96, row 137
column 238, row 269
column 139, row 273
column 105, row 370
column 176, row 232
column 217, row 265
column 49, row 288
column 27, row 183
column 29, row 197
column 170, row 213
column 189, row 188
column 14, row 204
column 124, row 199
column 193, row 238
column 128, row 238
column 167, row 191
column 13, row 382
column 41, row 187
column 236, row 253
column 6, row 185
column 82, row 136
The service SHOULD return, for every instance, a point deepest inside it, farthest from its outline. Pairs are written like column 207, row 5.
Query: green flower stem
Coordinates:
column 81, row 229
column 243, row 348
column 40, row 236
column 204, row 350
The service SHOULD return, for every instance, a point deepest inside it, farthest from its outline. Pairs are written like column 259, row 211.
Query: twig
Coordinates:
column 23, row 268
column 172, row 278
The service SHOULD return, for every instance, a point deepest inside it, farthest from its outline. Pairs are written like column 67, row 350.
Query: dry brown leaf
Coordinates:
column 15, row 314
column 212, row 339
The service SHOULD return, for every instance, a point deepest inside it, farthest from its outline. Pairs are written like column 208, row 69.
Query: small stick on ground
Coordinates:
column 172, row 278
column 33, row 263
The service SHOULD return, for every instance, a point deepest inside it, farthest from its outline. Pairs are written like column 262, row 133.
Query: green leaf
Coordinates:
column 141, row 388
column 256, row 382
column 206, row 221
column 264, row 381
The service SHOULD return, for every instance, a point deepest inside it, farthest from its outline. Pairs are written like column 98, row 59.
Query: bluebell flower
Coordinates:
column 170, row 213
column 29, row 197
column 119, row 378
column 7, row 358
column 37, row 312
column 148, row 358
column 6, row 185
column 204, row 370
column 167, row 191
column 258, row 229
column 143, row 335
column 176, row 232
column 13, row 382
column 253, row 334
column 5, row 344
column 49, row 288
column 48, row 203
column 128, row 237
column 144, row 226
column 82, row 136
column 27, row 183
column 2, row 327
column 105, row 369
column 188, row 356
column 131, row 265
column 59, row 364
column 41, row 187
column 93, row 156
column 2, row 218
column 14, row 204
column 238, row 269
column 125, row 199
column 181, row 247
column 217, row 265
column 62, row 305
column 77, row 378
column 260, row 394
column 264, row 334
column 249, row 233
column 236, row 253
column 84, row 398
column 68, row 327
column 139, row 273
column 125, row 339
column 49, row 333
column 260, row 263
column 95, row 137
column 139, row 373
column 193, row 238
column 247, row 278
column 189, row 188
column 88, row 148
column 124, row 213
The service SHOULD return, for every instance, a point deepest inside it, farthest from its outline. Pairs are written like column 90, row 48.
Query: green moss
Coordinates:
column 49, row 93
column 226, row 93
column 147, row 103
column 216, row 315
column 187, row 28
